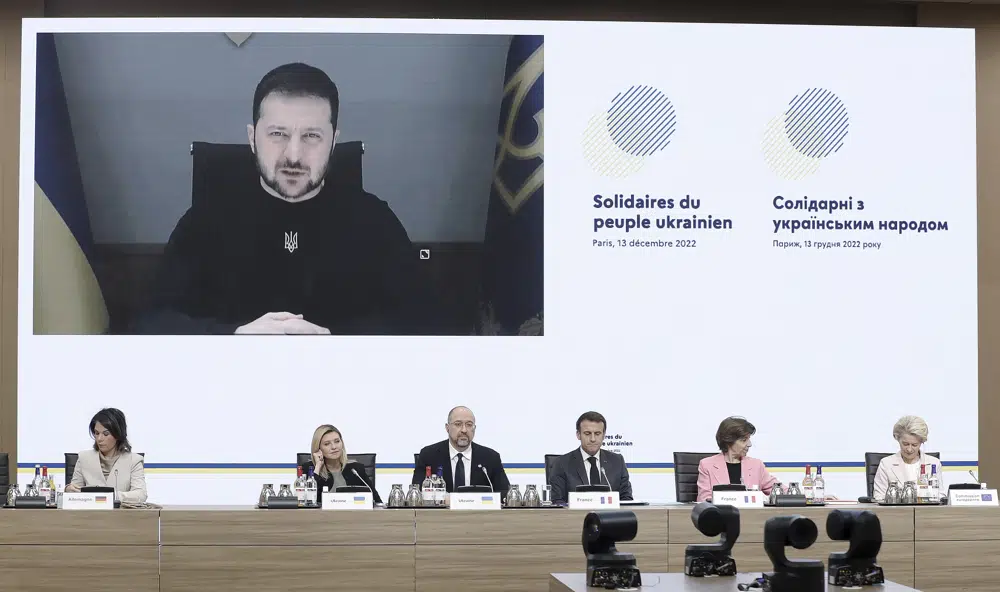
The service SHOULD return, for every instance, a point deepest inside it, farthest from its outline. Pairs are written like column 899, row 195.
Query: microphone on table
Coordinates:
column 363, row 482
column 606, row 480
column 481, row 468
column 974, row 476
column 116, row 485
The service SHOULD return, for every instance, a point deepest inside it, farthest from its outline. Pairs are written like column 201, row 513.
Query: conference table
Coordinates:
column 242, row 548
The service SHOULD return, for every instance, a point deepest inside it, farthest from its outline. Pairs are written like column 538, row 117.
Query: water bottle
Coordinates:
column 265, row 493
column 413, row 497
column 514, row 497
column 909, row 495
column 808, row 485
column 793, row 489
column 396, row 498
column 286, row 490
column 311, row 488
column 12, row 494
column 819, row 486
column 440, row 488
column 923, row 486
column 547, row 496
column 300, row 487
column 531, row 499
column 892, row 495
column 428, row 492
column 934, row 484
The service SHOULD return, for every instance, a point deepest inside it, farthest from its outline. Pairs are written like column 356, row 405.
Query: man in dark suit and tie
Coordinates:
column 588, row 464
column 464, row 462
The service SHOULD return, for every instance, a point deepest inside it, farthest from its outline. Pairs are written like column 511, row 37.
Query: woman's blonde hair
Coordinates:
column 910, row 425
column 318, row 436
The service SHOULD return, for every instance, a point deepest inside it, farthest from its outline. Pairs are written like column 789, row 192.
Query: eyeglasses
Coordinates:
column 467, row 424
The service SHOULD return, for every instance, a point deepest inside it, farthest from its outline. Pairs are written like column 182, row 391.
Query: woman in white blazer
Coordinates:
column 911, row 433
column 111, row 463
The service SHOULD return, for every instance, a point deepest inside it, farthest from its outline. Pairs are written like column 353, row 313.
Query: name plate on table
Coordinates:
column 86, row 501
column 739, row 499
column 972, row 497
column 347, row 501
column 474, row 500
column 594, row 500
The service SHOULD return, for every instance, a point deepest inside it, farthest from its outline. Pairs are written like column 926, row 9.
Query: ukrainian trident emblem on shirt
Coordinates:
column 291, row 241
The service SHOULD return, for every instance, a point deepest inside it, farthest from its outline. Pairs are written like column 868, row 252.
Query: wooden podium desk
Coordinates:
column 113, row 550
column 242, row 548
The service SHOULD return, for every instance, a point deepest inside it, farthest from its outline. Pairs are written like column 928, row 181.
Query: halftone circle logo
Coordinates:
column 813, row 127
column 638, row 123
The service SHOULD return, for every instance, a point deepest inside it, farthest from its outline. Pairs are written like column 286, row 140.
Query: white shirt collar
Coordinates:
column 466, row 454
column 585, row 456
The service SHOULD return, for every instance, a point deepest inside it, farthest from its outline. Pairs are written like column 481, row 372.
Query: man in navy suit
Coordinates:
column 588, row 464
column 463, row 462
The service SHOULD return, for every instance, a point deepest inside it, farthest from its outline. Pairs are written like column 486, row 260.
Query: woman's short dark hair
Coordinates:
column 113, row 420
column 732, row 430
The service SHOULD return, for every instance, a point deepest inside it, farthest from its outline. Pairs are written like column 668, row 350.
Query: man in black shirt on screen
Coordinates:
column 303, row 253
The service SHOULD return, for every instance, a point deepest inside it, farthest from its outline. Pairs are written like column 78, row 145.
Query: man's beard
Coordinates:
column 272, row 179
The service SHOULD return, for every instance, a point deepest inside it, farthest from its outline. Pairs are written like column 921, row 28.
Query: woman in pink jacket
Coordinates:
column 733, row 465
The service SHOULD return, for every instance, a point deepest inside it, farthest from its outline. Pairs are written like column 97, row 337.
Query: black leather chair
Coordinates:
column 367, row 460
column 4, row 474
column 72, row 457
column 550, row 464
column 686, row 474
column 214, row 166
column 872, row 459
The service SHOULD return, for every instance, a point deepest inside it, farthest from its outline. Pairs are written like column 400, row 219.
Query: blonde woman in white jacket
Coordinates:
column 911, row 433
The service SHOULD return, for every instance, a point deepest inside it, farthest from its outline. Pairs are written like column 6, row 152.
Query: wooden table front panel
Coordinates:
column 957, row 524
column 56, row 568
column 897, row 523
column 290, row 569
column 79, row 527
column 945, row 566
column 249, row 526
column 556, row 526
column 513, row 568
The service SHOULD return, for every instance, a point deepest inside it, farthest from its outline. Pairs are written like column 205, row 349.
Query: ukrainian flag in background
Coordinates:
column 68, row 298
column 513, row 266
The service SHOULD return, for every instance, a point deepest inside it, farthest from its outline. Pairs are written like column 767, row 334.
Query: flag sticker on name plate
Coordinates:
column 987, row 497
column 359, row 499
column 487, row 499
column 101, row 499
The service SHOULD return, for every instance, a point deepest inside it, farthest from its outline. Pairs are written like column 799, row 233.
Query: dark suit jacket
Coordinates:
column 569, row 473
column 349, row 477
column 438, row 455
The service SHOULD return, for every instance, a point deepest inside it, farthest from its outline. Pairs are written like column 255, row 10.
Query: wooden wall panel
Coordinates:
column 11, row 13
column 986, row 20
